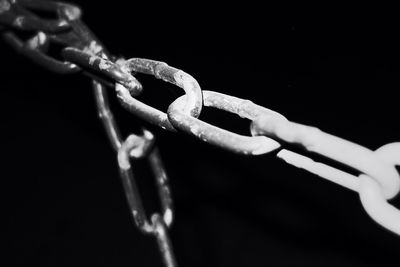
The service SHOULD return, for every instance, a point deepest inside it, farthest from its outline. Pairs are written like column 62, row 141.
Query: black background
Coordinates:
column 63, row 201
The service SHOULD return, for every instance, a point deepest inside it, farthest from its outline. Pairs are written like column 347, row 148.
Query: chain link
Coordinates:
column 83, row 48
column 270, row 131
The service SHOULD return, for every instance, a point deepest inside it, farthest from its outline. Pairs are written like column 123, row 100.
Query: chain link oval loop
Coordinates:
column 193, row 100
column 248, row 145
column 372, row 197
column 314, row 140
column 137, row 147
column 34, row 48
column 16, row 14
column 102, row 65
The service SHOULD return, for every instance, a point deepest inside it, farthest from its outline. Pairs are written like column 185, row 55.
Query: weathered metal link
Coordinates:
column 162, row 183
column 67, row 30
column 161, row 70
column 65, row 11
column 106, row 116
column 163, row 241
column 14, row 14
column 247, row 145
column 143, row 111
column 26, row 23
column 104, row 67
column 137, row 147
column 84, row 49
column 272, row 124
column 73, row 34
column 51, row 6
column 33, row 48
column 193, row 101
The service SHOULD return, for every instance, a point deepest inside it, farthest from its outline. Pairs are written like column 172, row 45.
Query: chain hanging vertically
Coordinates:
column 84, row 49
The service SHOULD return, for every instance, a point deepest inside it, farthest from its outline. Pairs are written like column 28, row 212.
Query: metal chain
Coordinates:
column 270, row 131
column 74, row 34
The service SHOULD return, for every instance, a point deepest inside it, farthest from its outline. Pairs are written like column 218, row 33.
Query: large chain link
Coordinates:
column 270, row 131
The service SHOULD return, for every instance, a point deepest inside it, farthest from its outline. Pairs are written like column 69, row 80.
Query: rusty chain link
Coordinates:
column 74, row 34
column 270, row 131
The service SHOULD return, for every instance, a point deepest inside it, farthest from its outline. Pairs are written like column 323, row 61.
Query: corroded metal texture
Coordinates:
column 131, row 143
column 103, row 66
column 139, row 147
column 161, row 70
column 247, row 145
column 20, row 15
column 164, row 191
column 193, row 100
column 83, row 52
column 106, row 116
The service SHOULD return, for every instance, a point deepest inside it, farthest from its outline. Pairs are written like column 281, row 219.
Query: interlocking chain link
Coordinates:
column 75, row 35
column 270, row 131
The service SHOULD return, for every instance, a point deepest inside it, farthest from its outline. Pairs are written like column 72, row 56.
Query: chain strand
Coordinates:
column 86, row 51
column 270, row 131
